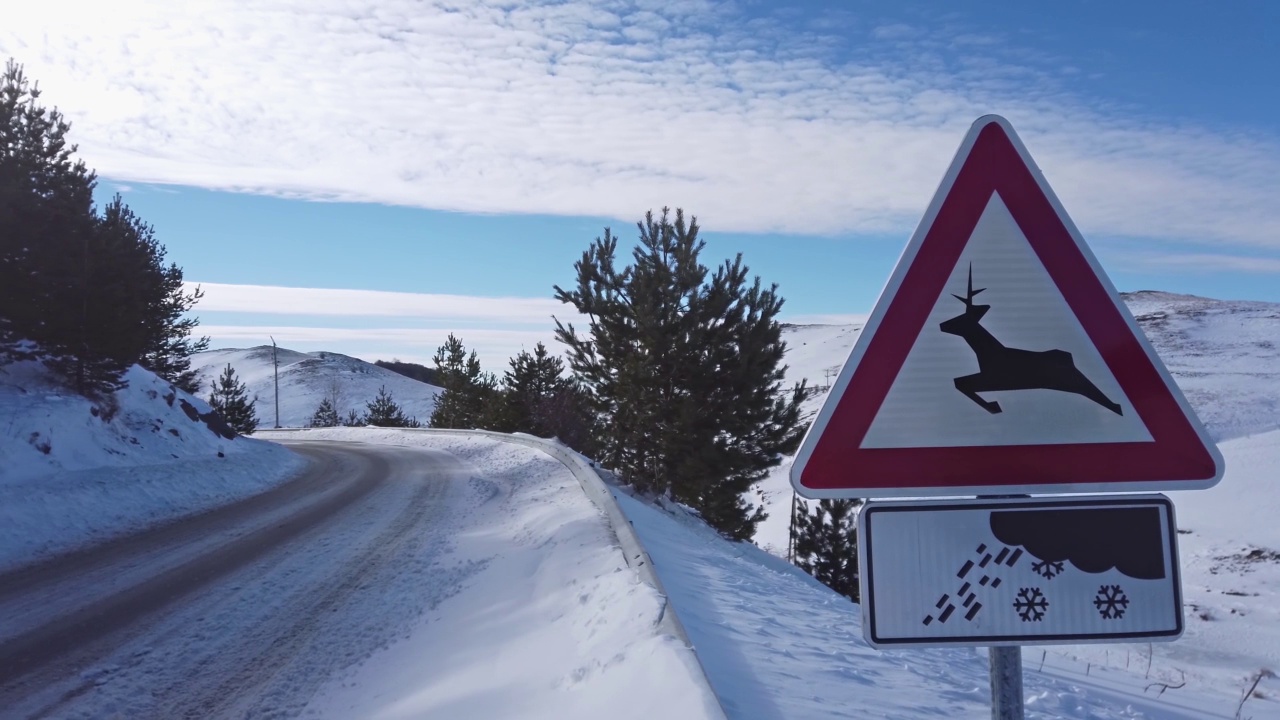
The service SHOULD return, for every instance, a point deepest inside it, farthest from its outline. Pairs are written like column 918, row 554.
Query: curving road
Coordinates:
column 243, row 610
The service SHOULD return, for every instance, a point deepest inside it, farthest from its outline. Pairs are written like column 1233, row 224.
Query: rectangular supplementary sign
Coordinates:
column 1019, row 571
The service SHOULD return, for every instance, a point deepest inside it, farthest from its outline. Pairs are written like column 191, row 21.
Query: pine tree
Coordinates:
column 230, row 399
column 46, row 211
column 325, row 416
column 469, row 396
column 383, row 411
column 92, row 291
column 683, row 369
column 529, row 384
column 353, row 420
column 108, row 318
column 170, row 344
column 537, row 397
column 826, row 544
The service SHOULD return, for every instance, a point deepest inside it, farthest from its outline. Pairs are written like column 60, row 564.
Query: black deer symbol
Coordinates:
column 1003, row 368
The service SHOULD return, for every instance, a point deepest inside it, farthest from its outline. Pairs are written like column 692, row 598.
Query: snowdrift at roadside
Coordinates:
column 75, row 471
column 550, row 623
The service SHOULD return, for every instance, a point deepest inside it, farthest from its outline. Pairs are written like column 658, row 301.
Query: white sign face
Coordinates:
column 1019, row 571
column 1025, row 311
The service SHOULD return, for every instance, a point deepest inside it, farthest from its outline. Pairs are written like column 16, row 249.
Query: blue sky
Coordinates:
column 366, row 176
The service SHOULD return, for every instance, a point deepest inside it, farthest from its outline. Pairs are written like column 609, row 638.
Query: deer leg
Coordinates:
column 1091, row 391
column 969, row 385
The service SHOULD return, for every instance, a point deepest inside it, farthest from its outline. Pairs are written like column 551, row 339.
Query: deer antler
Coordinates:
column 968, row 302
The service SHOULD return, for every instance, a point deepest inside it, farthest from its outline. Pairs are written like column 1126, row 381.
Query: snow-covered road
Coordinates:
column 247, row 608
column 406, row 575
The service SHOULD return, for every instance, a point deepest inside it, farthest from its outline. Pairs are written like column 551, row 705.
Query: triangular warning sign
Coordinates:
column 999, row 359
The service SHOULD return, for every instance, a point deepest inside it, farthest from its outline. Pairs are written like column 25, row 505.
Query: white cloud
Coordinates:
column 600, row 108
column 493, row 346
column 1201, row 262
column 497, row 328
column 268, row 299
column 894, row 31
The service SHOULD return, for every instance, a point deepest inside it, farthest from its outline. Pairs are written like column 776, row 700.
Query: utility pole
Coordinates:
column 275, row 361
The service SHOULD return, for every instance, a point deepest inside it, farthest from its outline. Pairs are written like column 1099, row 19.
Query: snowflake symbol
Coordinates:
column 1111, row 602
column 1048, row 569
column 1031, row 604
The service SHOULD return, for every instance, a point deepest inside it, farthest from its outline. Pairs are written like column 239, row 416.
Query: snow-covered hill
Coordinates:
column 306, row 378
column 1225, row 356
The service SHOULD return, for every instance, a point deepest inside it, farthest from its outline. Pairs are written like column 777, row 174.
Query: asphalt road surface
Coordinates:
column 245, row 609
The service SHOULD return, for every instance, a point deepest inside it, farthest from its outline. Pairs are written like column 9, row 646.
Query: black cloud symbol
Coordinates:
column 1092, row 539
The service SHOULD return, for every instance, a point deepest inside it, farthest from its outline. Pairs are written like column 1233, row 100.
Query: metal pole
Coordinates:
column 1006, row 683
column 1006, row 670
column 275, row 361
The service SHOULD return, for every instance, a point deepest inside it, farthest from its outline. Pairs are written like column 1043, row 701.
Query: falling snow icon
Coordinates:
column 1047, row 569
column 1031, row 604
column 1019, row 571
column 1111, row 602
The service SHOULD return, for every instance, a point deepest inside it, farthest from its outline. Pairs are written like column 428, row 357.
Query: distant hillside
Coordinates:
column 1225, row 355
column 421, row 373
column 306, row 378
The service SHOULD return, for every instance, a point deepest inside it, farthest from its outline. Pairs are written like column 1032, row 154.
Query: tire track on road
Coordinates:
column 260, row 671
column 76, row 638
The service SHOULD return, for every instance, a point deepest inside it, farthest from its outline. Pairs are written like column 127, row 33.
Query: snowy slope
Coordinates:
column 74, row 471
column 306, row 378
column 777, row 645
column 1229, row 544
column 1224, row 355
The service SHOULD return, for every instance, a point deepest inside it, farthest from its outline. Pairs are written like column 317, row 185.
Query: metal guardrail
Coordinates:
column 597, row 490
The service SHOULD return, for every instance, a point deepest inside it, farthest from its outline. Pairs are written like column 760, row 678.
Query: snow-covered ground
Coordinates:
column 549, row 622
column 779, row 646
column 1224, row 355
column 307, row 378
column 1229, row 543
column 75, row 471
column 554, row 625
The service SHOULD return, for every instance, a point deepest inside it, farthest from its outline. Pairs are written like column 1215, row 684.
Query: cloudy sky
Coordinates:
column 366, row 175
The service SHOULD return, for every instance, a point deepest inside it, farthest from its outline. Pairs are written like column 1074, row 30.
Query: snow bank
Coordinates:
column 554, row 625
column 74, row 471
column 777, row 645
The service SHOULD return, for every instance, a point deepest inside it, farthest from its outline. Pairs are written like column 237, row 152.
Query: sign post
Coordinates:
column 1006, row 683
column 1000, row 361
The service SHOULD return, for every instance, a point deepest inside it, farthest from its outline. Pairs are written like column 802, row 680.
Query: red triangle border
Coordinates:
column 1177, row 455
